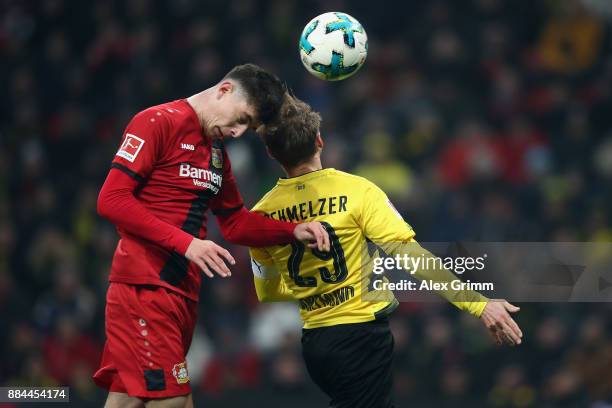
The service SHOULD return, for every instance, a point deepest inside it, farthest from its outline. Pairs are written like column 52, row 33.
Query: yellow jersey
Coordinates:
column 328, row 287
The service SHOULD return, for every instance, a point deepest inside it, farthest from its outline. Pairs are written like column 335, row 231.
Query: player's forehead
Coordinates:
column 249, row 111
column 245, row 104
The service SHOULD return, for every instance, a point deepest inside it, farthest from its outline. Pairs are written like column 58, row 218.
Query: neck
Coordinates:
column 306, row 167
column 197, row 102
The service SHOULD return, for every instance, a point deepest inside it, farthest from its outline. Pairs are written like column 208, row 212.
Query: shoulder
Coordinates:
column 264, row 203
column 354, row 181
column 150, row 118
column 162, row 121
column 171, row 113
column 363, row 194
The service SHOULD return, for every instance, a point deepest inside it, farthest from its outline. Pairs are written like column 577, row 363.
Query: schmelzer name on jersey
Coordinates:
column 309, row 209
column 201, row 177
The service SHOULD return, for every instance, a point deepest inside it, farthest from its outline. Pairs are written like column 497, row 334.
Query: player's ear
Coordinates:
column 319, row 141
column 224, row 88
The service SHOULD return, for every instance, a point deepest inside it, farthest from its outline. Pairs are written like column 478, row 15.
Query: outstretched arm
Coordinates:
column 252, row 229
column 384, row 226
column 494, row 313
column 243, row 227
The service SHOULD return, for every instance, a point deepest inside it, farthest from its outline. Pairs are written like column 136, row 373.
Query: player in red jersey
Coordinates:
column 171, row 168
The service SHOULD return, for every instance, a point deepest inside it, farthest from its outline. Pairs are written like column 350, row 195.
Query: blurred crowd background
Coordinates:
column 487, row 120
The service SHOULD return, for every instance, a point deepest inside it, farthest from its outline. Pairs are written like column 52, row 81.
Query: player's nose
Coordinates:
column 238, row 130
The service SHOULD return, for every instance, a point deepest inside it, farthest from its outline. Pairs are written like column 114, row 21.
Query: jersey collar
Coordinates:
column 285, row 181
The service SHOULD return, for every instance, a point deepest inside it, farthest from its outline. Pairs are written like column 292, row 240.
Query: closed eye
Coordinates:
column 246, row 120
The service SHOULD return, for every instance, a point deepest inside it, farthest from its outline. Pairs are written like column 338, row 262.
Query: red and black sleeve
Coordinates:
column 243, row 227
column 116, row 202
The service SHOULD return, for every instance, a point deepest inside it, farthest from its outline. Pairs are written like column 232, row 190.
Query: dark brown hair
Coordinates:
column 264, row 91
column 291, row 138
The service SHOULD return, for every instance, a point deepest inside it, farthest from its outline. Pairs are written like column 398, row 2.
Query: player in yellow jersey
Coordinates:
column 346, row 341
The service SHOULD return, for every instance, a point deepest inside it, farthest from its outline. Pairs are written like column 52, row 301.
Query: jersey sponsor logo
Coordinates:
column 179, row 371
column 187, row 146
column 201, row 177
column 131, row 147
column 330, row 299
column 217, row 157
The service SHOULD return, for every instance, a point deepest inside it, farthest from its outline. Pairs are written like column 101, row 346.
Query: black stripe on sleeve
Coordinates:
column 223, row 212
column 127, row 171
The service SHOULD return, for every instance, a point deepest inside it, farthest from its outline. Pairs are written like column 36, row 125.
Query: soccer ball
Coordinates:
column 333, row 46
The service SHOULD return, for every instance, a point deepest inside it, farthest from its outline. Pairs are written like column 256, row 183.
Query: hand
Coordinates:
column 208, row 255
column 314, row 233
column 501, row 326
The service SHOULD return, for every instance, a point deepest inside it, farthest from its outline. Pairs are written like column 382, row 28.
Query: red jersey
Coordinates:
column 181, row 174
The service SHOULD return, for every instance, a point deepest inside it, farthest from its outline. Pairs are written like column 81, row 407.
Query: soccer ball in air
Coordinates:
column 333, row 46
